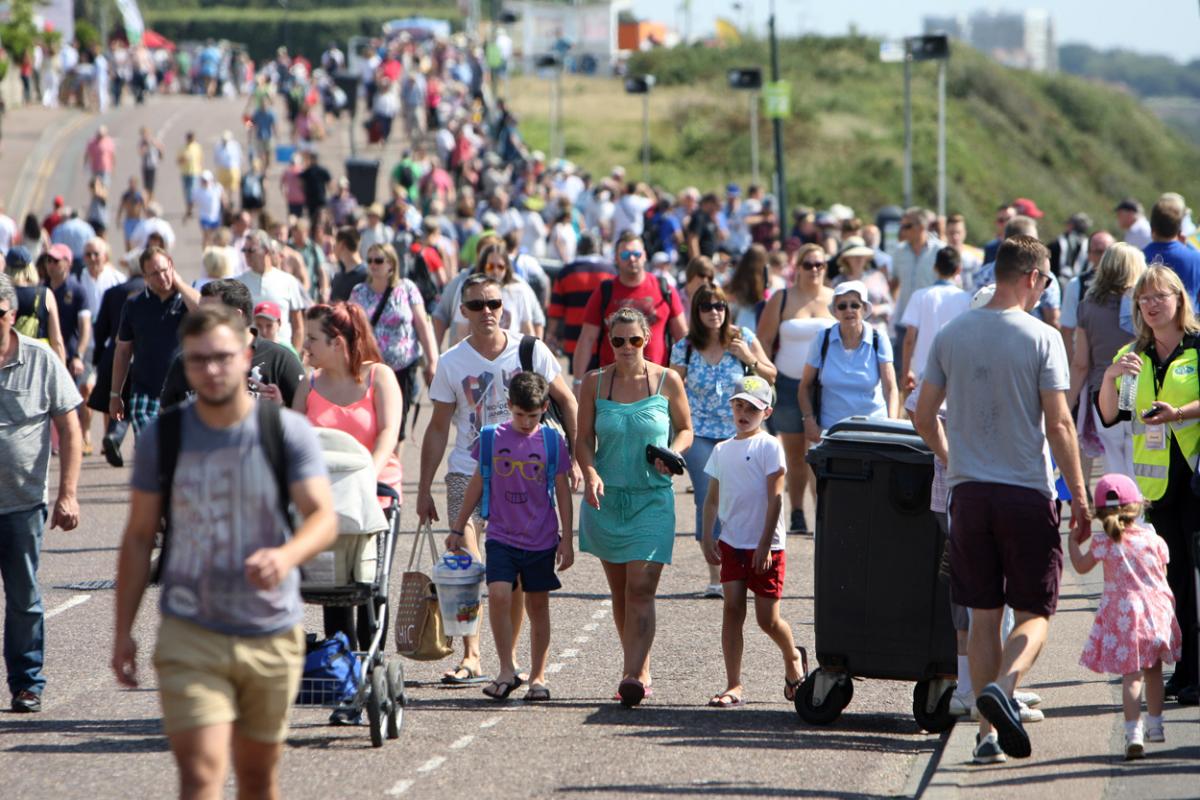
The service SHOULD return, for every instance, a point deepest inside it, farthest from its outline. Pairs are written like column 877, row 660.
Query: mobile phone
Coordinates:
column 1151, row 411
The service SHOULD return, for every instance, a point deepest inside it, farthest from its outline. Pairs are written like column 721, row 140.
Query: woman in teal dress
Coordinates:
column 628, row 517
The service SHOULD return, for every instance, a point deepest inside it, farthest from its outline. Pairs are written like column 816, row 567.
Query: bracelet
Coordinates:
column 1179, row 414
column 114, row 394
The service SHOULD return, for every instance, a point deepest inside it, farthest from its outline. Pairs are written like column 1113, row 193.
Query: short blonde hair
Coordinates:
column 216, row 263
column 1159, row 276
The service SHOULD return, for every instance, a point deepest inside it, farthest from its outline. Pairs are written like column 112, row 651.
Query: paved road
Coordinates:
column 94, row 741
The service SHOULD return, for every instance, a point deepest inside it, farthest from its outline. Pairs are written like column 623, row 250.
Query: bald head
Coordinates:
column 1097, row 245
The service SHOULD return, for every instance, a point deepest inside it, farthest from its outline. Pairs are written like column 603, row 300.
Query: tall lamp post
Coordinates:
column 545, row 64
column 749, row 80
column 642, row 84
column 777, row 114
column 922, row 48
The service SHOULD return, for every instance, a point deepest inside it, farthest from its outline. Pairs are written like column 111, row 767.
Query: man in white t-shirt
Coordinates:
column 470, row 390
column 929, row 309
column 208, row 198
column 629, row 212
column 8, row 231
column 267, row 282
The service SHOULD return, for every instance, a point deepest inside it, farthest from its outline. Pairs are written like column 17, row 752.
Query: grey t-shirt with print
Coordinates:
column 224, row 507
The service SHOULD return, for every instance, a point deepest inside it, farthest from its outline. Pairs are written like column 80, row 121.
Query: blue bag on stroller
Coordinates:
column 330, row 671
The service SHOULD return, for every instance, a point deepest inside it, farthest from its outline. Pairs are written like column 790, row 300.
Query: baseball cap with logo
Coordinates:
column 1115, row 490
column 755, row 391
column 269, row 310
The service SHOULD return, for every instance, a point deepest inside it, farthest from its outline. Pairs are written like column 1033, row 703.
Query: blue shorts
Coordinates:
column 787, row 417
column 210, row 225
column 535, row 568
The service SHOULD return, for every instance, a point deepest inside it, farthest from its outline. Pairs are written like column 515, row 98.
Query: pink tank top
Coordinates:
column 357, row 419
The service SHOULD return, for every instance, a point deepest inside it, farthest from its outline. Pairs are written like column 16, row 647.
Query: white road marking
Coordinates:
column 432, row 764
column 606, row 602
column 491, row 721
column 77, row 600
column 462, row 741
column 555, row 667
column 591, row 626
column 601, row 614
column 400, row 788
column 571, row 653
column 582, row 639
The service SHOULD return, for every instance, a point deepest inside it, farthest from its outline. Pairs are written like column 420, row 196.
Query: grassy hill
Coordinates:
column 1064, row 141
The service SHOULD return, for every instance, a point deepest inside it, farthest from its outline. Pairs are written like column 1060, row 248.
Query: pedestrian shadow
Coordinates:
column 713, row 788
column 1179, row 761
column 88, row 736
column 69, row 551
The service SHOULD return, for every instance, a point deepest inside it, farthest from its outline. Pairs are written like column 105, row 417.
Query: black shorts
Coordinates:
column 1005, row 548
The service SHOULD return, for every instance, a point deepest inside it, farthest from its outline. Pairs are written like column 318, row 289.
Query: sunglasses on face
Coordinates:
column 631, row 255
column 717, row 306
column 619, row 341
column 849, row 306
column 377, row 260
column 480, row 305
column 812, row 264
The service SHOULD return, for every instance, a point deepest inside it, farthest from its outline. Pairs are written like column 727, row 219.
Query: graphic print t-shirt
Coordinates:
column 520, row 513
column 479, row 390
column 224, row 507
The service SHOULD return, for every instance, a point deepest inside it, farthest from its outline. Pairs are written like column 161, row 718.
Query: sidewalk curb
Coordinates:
column 944, row 784
column 925, row 767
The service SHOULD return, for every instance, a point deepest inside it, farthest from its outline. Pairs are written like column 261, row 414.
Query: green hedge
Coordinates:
column 263, row 30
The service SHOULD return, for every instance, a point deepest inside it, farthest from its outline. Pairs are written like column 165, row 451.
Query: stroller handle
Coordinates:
column 383, row 490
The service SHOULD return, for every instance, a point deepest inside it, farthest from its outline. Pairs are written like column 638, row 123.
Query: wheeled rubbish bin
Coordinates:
column 881, row 610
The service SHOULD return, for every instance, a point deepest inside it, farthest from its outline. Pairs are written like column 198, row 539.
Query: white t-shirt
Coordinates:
column 479, row 390
column 8, row 230
column 279, row 287
column 629, row 214
column 95, row 288
column 208, row 202
column 929, row 310
column 520, row 306
column 742, row 467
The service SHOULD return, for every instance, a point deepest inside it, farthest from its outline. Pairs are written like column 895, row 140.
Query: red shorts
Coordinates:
column 738, row 565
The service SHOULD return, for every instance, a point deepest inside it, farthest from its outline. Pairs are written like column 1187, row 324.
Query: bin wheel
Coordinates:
column 940, row 719
column 835, row 701
column 376, row 696
column 395, row 686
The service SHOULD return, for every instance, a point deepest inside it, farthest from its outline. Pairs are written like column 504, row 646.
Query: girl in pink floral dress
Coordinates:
column 1135, row 629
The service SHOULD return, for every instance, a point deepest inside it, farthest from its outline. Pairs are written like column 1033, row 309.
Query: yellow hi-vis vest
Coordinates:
column 1180, row 387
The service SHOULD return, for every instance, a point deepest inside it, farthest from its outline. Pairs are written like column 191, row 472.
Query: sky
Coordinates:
column 1166, row 27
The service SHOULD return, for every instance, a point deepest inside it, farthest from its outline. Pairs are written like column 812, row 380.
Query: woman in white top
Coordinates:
column 792, row 319
column 522, row 312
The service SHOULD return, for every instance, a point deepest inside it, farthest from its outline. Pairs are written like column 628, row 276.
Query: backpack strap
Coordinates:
column 169, row 426
column 664, row 288
column 487, row 435
column 606, row 291
column 270, row 434
column 525, row 352
column 379, row 309
column 550, row 442
column 824, row 349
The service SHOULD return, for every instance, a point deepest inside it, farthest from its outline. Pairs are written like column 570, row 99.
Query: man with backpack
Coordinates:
column 230, row 651
column 635, row 288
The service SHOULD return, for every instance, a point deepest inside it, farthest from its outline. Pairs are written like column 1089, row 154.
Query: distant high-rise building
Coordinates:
column 1017, row 39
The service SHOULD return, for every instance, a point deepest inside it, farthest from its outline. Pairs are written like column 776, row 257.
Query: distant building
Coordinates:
column 589, row 27
column 1024, row 40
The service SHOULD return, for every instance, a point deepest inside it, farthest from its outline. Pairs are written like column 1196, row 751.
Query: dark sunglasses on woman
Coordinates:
column 812, row 264
column 849, row 306
column 480, row 305
column 717, row 306
column 619, row 341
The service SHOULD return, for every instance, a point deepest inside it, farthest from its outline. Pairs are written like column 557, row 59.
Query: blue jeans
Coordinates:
column 694, row 458
column 24, row 625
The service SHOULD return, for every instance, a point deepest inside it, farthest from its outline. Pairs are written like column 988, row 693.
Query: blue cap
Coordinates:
column 733, row 190
column 17, row 258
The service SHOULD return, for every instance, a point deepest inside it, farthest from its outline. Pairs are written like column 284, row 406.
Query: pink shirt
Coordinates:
column 101, row 154
column 357, row 419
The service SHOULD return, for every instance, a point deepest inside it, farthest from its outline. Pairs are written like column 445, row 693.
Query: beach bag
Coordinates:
column 418, row 621
column 330, row 671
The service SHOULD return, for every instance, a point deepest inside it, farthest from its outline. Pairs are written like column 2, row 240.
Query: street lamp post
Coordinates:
column 777, row 128
column 642, row 84
column 750, row 80
column 922, row 48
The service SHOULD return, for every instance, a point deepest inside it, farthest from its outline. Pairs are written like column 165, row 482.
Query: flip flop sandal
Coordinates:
column 790, row 687
column 473, row 677
column 503, row 688
column 726, row 700
column 537, row 694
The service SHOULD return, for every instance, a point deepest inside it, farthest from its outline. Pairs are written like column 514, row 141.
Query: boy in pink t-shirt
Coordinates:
column 523, row 542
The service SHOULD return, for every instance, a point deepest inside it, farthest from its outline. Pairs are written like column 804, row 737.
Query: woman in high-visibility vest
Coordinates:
column 1166, row 436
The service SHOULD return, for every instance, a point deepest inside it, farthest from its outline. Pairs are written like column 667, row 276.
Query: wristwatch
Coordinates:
column 114, row 394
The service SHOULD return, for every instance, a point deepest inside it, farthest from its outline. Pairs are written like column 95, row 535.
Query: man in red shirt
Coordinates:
column 634, row 288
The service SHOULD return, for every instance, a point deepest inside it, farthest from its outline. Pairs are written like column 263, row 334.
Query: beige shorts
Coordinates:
column 456, row 489
column 208, row 678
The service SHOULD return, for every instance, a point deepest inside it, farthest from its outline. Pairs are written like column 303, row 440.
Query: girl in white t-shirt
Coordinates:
column 522, row 313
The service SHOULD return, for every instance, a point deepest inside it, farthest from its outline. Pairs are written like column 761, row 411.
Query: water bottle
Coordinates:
column 1125, row 401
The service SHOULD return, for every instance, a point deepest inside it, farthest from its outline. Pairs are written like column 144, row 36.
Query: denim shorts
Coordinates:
column 787, row 417
column 535, row 568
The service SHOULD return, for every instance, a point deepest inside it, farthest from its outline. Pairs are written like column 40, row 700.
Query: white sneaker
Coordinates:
column 1030, row 699
column 1155, row 733
column 714, row 590
column 1134, row 748
column 1027, row 714
column 961, row 704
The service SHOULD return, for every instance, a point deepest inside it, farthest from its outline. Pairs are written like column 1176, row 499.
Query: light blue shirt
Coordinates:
column 850, row 379
column 1051, row 295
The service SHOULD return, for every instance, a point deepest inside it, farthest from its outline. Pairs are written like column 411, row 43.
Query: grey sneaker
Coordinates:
column 714, row 590
column 1005, row 715
column 1031, row 699
column 987, row 750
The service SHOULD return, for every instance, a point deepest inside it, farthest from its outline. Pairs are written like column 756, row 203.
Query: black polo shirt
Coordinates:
column 345, row 280
column 274, row 364
column 153, row 327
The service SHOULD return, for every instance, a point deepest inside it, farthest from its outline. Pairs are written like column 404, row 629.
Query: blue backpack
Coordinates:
column 330, row 671
column 487, row 436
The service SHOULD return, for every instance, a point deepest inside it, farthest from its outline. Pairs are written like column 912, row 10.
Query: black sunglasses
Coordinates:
column 619, row 341
column 480, row 305
column 812, row 264
column 377, row 260
column 717, row 306
column 849, row 306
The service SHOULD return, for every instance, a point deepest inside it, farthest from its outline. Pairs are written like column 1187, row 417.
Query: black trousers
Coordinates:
column 1176, row 517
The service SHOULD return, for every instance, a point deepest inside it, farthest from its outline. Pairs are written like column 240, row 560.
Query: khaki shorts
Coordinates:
column 456, row 489
column 208, row 678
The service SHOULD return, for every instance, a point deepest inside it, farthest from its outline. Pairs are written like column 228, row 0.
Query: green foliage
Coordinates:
column 86, row 34
column 262, row 30
column 1149, row 76
column 19, row 33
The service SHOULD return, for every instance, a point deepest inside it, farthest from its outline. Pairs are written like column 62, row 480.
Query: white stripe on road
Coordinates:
column 555, row 667
column 487, row 723
column 400, row 788
column 462, row 741
column 432, row 764
column 77, row 600
column 571, row 653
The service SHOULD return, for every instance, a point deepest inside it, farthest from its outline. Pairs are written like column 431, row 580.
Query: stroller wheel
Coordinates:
column 395, row 685
column 375, row 700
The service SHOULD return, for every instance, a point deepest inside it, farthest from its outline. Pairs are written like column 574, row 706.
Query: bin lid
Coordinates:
column 883, row 439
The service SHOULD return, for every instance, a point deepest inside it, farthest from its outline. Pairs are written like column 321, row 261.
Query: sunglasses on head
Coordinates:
column 719, row 305
column 480, row 305
column 619, row 341
column 849, row 306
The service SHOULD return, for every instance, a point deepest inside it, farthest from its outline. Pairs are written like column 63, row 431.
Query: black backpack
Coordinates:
column 252, row 192
column 553, row 416
column 606, row 292
column 170, row 440
column 417, row 271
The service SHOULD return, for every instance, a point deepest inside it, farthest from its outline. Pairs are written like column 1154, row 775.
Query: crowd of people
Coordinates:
column 705, row 334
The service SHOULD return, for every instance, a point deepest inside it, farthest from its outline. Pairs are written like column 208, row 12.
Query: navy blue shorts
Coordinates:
column 535, row 568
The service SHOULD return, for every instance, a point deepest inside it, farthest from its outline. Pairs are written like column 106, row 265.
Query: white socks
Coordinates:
column 964, row 678
column 1153, row 721
column 1132, row 725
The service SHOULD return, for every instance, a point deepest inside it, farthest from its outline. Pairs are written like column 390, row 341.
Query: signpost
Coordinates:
column 921, row 48
column 642, row 84
column 750, row 80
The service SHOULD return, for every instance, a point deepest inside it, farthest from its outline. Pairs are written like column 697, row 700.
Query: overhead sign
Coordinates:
column 777, row 100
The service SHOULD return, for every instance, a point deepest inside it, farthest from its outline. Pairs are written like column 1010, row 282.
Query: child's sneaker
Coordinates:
column 1027, row 714
column 1134, row 747
column 987, row 750
column 1154, row 732
column 1030, row 699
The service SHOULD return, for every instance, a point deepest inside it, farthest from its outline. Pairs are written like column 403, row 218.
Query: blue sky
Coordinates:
column 1170, row 27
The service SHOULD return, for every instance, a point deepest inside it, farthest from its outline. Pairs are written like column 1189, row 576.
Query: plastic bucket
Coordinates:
column 460, row 596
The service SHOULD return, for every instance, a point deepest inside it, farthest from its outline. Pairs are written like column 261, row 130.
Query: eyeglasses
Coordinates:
column 460, row 561
column 619, row 341
column 1043, row 277
column 250, row 250
column 812, row 264
column 90, row 254
column 379, row 260
column 905, row 226
column 631, row 255
column 849, row 306
column 530, row 470
column 198, row 361
column 717, row 306
column 480, row 305
column 1154, row 299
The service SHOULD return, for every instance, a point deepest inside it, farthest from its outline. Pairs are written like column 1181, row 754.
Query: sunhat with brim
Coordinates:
column 855, row 246
column 851, row 287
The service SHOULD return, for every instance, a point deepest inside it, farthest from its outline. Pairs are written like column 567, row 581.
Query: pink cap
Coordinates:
column 269, row 310
column 1115, row 490
column 60, row 252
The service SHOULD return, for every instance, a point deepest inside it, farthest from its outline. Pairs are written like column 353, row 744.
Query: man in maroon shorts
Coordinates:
column 1002, row 372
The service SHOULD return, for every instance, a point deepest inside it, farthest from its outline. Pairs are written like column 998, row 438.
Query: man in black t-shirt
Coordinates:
column 704, row 233
column 275, row 373
column 316, row 180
